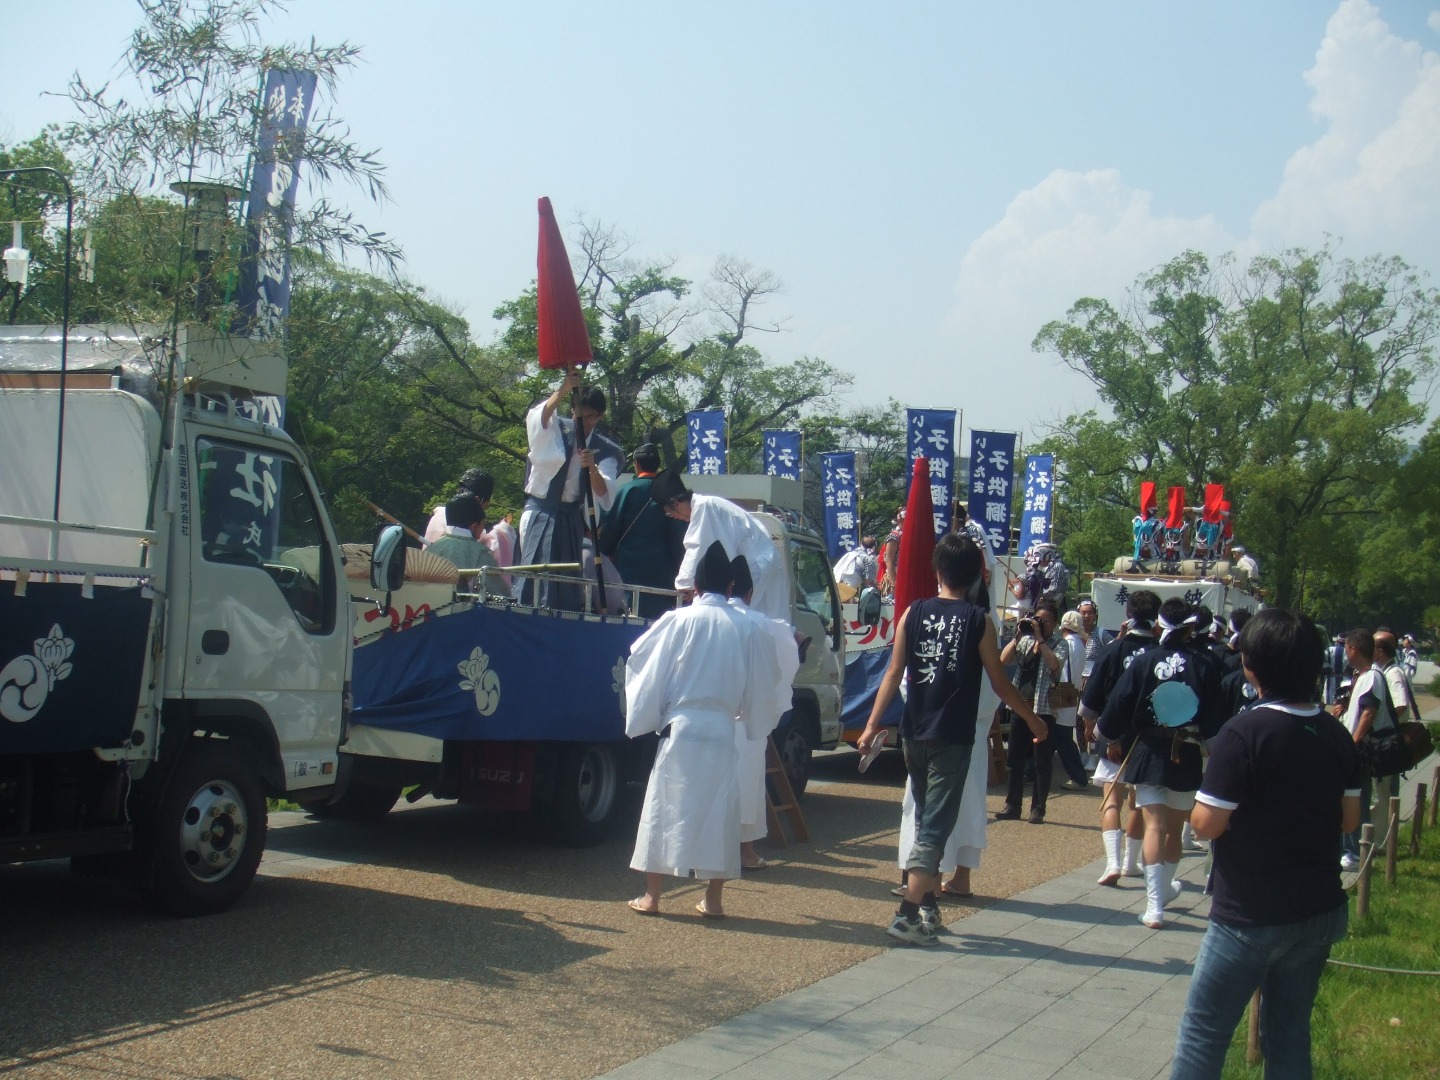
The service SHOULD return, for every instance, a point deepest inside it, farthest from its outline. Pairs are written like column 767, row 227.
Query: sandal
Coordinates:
column 638, row 906
column 707, row 913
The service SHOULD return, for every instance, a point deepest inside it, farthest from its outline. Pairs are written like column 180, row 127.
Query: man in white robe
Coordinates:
column 557, row 473
column 773, row 700
column 690, row 676
column 709, row 519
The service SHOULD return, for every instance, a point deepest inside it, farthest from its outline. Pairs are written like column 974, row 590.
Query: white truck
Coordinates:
column 175, row 630
column 512, row 708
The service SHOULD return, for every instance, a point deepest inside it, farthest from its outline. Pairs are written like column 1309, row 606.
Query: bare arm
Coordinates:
column 1210, row 821
column 1349, row 813
column 1363, row 722
column 555, row 400
column 995, row 669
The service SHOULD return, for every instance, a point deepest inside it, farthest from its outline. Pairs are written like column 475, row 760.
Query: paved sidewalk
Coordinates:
column 1058, row 982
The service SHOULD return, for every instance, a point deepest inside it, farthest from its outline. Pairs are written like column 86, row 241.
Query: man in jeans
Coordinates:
column 1036, row 649
column 941, row 646
column 1282, row 783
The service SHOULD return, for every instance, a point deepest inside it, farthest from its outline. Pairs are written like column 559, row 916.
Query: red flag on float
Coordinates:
column 1147, row 499
column 1214, row 499
column 560, row 334
column 1225, row 514
column 915, row 569
column 1177, row 508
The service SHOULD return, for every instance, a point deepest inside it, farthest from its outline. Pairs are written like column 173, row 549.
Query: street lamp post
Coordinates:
column 64, row 321
column 211, row 202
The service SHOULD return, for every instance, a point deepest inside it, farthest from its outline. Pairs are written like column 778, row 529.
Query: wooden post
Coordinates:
column 1252, row 1033
column 1435, row 802
column 1390, row 841
column 1362, row 884
column 1417, row 820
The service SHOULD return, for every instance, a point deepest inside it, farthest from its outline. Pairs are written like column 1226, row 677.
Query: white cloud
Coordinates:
column 1072, row 235
column 1370, row 176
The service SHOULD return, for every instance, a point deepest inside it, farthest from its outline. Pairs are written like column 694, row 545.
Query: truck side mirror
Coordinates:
column 868, row 608
column 387, row 558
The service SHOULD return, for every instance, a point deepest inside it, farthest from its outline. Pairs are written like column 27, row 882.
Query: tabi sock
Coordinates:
column 1155, row 893
column 1173, row 888
column 1132, row 855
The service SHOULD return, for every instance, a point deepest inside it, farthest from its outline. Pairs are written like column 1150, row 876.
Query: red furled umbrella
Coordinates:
column 1177, row 508
column 560, row 333
column 1147, row 499
column 915, row 574
column 1214, row 499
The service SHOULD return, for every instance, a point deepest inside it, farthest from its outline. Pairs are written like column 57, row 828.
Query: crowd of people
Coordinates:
column 1247, row 734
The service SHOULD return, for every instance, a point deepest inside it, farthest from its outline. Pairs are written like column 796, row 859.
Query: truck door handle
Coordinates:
column 215, row 642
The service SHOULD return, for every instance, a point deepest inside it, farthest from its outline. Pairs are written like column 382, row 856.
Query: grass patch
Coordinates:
column 1351, row 1025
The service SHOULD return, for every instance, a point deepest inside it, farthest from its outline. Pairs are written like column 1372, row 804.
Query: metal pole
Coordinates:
column 1367, row 857
column 1419, row 819
column 1390, row 843
column 64, row 329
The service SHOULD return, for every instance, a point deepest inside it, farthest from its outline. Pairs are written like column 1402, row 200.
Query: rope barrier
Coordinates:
column 1381, row 970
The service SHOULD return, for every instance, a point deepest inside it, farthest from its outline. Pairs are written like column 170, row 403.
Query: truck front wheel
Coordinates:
column 795, row 744
column 585, row 796
column 204, row 842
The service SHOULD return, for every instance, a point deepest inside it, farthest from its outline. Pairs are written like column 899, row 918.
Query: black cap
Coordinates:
column 478, row 482
column 713, row 575
column 740, row 571
column 667, row 485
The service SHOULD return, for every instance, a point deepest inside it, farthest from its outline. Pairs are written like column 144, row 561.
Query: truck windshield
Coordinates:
column 815, row 585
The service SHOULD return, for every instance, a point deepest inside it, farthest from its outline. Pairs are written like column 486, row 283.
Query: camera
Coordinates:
column 1025, row 628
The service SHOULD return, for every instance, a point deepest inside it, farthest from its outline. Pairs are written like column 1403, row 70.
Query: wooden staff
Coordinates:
column 581, row 437
column 396, row 521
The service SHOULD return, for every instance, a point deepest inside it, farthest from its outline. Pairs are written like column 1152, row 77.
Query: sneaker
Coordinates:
column 930, row 919
column 1349, row 862
column 1071, row 785
column 912, row 930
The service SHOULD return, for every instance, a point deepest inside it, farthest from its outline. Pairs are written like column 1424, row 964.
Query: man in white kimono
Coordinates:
column 773, row 700
column 690, row 676
column 552, row 526
column 709, row 519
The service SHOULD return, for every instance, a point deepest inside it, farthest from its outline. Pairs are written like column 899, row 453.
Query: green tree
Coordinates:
column 1292, row 382
column 200, row 65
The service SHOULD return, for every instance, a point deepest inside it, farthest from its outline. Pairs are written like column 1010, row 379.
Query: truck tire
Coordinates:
column 584, row 800
column 203, row 843
column 795, row 744
column 360, row 801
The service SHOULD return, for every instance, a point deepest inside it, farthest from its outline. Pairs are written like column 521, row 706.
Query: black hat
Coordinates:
column 713, row 574
column 463, row 511
column 478, row 482
column 667, row 485
column 740, row 571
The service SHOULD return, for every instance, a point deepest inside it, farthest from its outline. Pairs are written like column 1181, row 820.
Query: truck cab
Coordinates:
column 174, row 627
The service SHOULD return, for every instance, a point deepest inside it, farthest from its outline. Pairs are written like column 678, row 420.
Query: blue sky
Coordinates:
column 931, row 182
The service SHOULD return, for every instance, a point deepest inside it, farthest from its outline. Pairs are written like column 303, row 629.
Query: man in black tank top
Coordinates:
column 941, row 647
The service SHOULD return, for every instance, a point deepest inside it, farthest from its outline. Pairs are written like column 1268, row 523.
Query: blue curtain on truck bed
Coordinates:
column 70, row 666
column 863, row 672
column 497, row 674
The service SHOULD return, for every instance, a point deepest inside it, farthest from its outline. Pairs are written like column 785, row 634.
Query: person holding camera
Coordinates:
column 1039, row 654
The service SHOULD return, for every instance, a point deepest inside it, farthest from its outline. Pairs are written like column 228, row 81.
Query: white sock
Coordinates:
column 1173, row 888
column 1132, row 855
column 1156, row 893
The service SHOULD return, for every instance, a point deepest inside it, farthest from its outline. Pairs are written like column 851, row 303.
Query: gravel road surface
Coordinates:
column 440, row 942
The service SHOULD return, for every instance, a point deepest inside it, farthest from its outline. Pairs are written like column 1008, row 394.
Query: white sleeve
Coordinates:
column 546, row 450
column 610, row 470
column 647, row 678
column 697, row 538
column 763, row 672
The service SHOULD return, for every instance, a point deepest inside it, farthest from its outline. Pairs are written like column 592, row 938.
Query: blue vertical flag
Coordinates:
column 705, row 442
column 1038, row 510
column 264, row 292
column 782, row 454
column 842, row 502
column 992, row 472
column 930, row 433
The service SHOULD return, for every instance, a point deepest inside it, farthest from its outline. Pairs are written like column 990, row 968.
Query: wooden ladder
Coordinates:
column 777, row 781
